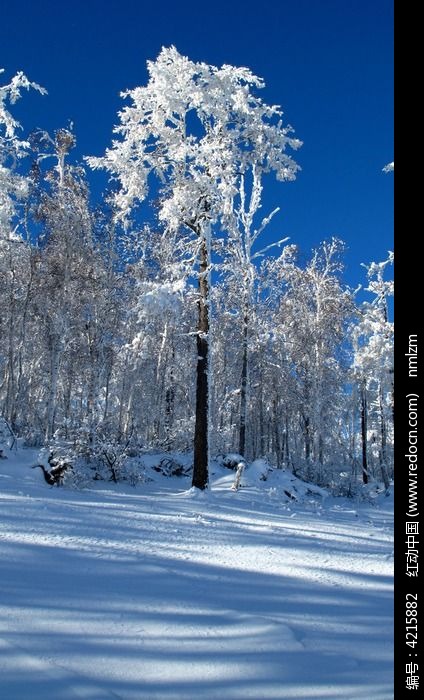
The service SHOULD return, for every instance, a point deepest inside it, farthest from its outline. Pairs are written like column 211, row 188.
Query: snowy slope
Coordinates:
column 157, row 592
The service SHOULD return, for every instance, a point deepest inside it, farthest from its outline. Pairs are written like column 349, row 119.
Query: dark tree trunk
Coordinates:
column 383, row 457
column 55, row 350
column 285, row 453
column 243, row 385
column 364, row 435
column 169, row 403
column 307, row 436
column 320, row 450
column 277, row 442
column 201, row 448
column 260, row 424
column 107, row 385
column 67, row 395
column 383, row 451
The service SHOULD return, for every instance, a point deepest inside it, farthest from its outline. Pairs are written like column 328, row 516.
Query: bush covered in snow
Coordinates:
column 230, row 460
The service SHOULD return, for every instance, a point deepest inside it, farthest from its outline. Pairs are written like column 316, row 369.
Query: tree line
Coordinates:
column 187, row 333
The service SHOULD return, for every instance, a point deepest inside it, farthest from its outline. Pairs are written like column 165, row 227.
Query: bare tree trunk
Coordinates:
column 160, row 392
column 307, row 437
column 21, row 345
column 169, row 402
column 122, row 397
column 364, row 430
column 93, row 382
column 201, row 446
column 67, row 394
column 91, row 401
column 10, row 391
column 20, row 372
column 10, row 380
column 243, row 385
column 128, row 420
column 107, row 390
column 54, row 343
column 383, row 451
column 277, row 441
column 320, row 450
column 261, row 420
column 286, row 447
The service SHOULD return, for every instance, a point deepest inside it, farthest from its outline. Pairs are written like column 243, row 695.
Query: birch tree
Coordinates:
column 13, row 186
column 373, row 368
column 240, row 265
column 315, row 312
column 15, row 256
column 187, row 135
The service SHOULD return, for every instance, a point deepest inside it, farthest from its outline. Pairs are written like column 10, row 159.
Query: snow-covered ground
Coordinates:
column 159, row 592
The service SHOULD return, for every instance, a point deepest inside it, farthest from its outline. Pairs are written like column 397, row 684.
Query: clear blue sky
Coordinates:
column 328, row 63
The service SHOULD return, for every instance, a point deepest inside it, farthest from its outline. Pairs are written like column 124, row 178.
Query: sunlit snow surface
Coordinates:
column 159, row 592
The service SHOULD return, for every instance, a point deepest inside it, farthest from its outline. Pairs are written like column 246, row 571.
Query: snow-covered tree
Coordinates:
column 389, row 168
column 159, row 317
column 189, row 133
column 15, row 256
column 373, row 369
column 63, row 212
column 98, row 308
column 239, row 264
column 314, row 313
column 13, row 186
column 75, row 302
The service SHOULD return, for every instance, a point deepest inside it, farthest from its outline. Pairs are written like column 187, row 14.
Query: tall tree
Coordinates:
column 13, row 187
column 66, row 285
column 373, row 367
column 189, row 133
column 239, row 265
column 15, row 256
column 315, row 312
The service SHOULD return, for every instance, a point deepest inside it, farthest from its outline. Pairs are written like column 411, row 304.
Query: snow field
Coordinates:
column 161, row 592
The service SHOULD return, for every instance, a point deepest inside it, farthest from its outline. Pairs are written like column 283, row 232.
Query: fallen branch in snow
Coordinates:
column 55, row 475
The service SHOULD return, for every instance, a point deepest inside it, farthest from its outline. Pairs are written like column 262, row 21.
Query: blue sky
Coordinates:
column 328, row 63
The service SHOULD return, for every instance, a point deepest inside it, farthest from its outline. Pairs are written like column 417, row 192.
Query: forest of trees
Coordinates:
column 156, row 320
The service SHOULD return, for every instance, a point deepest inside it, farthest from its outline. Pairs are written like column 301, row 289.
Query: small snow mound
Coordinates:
column 280, row 484
column 376, row 493
column 259, row 470
column 197, row 494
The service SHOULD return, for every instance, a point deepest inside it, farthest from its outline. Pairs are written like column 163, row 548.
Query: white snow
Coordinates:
column 163, row 592
column 389, row 168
